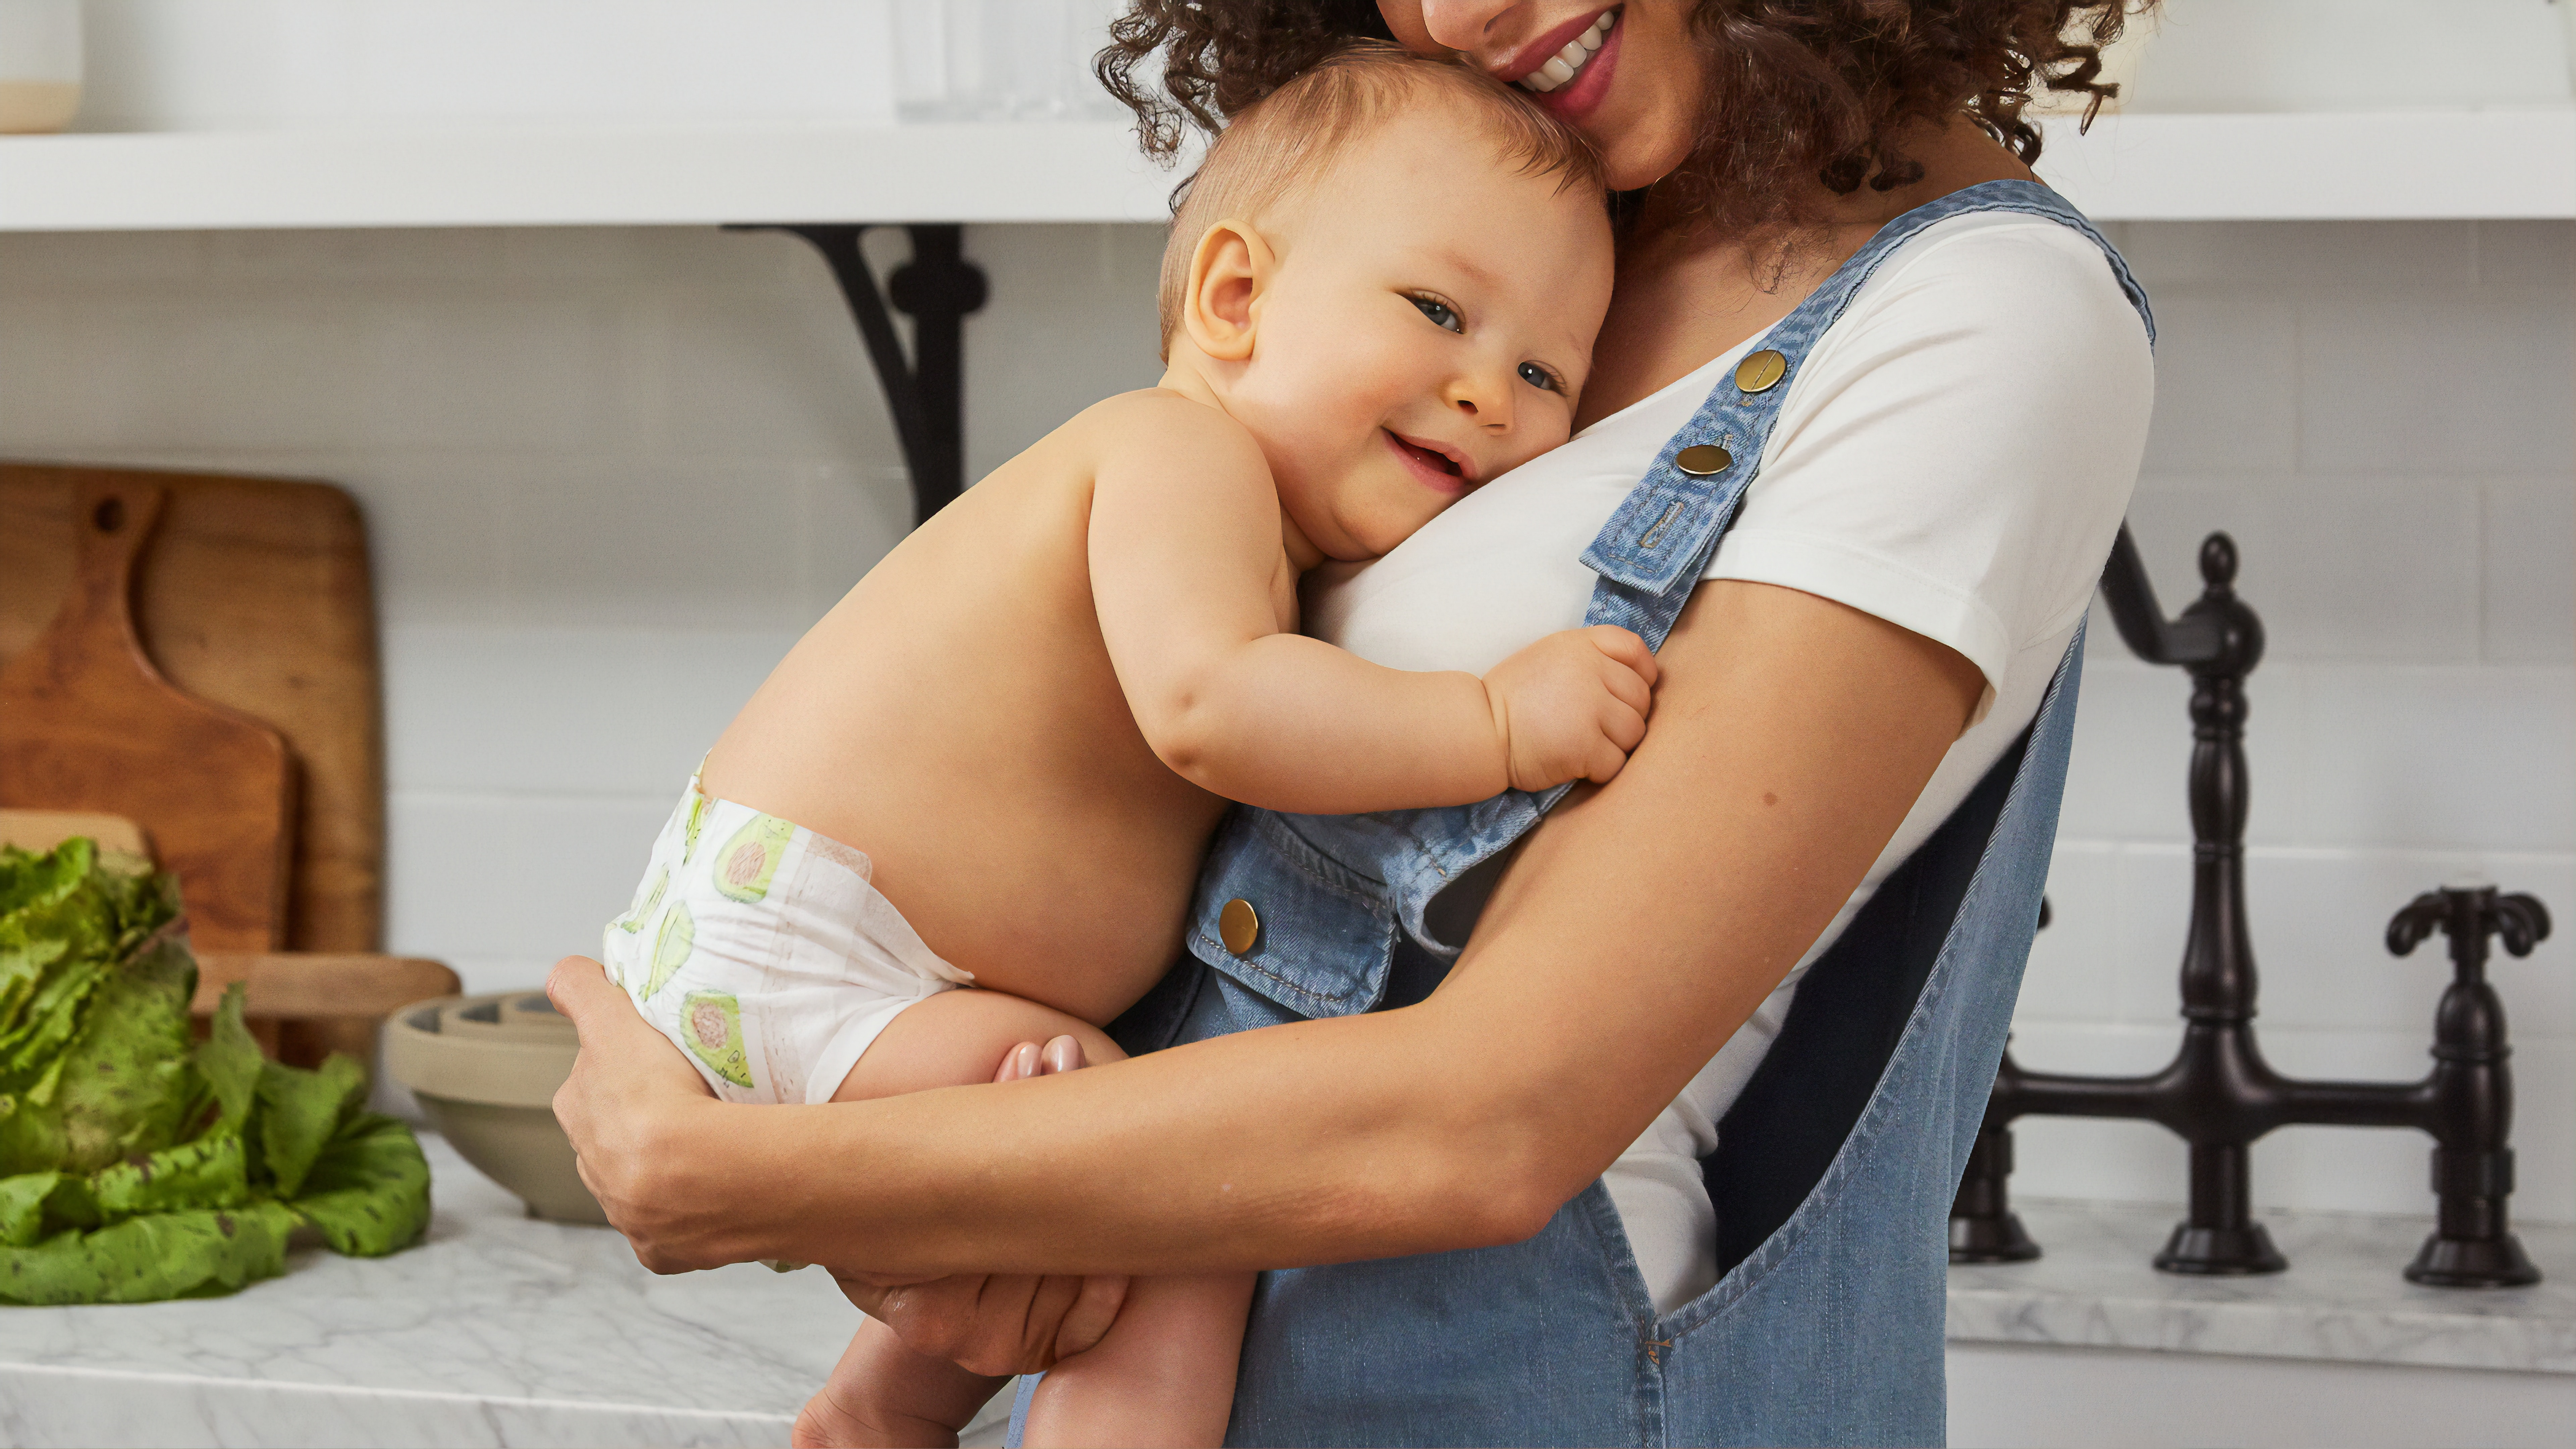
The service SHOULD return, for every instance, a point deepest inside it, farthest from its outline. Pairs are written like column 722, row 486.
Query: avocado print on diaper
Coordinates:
column 692, row 822
column 713, row 1024
column 645, row 901
column 746, row 863
column 671, row 946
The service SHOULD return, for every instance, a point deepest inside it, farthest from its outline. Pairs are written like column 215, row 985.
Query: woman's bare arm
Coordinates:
column 1639, row 927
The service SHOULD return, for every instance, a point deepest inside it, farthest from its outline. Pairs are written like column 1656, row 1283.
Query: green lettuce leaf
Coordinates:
column 369, row 1190
column 146, row 1259
column 22, row 1206
column 300, row 1111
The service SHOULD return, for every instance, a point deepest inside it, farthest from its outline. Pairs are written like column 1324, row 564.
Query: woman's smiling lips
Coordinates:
column 1570, row 89
column 1434, row 465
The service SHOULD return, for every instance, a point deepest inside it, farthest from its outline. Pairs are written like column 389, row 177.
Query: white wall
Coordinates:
column 611, row 474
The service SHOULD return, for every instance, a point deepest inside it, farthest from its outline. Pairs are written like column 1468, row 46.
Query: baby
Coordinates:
column 1381, row 290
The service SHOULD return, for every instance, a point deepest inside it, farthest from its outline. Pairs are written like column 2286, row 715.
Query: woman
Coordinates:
column 1848, row 325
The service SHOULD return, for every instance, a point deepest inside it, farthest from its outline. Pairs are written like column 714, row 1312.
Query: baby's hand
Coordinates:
column 1572, row 705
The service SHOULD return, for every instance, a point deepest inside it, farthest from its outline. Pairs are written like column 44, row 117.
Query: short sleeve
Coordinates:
column 1957, row 452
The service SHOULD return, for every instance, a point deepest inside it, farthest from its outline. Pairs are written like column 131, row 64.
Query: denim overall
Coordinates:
column 1836, row 1165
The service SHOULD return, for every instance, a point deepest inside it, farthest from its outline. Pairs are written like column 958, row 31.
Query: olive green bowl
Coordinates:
column 485, row 1069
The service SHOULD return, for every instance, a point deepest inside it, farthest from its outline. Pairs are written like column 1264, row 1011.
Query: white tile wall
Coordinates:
column 611, row 475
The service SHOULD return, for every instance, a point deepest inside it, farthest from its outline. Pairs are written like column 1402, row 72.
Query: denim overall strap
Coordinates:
column 1659, row 542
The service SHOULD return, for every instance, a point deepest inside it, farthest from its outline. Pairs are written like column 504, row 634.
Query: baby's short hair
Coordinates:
column 1290, row 138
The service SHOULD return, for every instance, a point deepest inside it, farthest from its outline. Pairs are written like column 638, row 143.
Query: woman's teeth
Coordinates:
column 1561, row 66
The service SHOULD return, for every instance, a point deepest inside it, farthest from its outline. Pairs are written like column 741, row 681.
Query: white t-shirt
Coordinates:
column 1954, row 456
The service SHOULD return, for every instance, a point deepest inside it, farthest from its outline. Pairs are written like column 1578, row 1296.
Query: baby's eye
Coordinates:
column 1540, row 378
column 1440, row 313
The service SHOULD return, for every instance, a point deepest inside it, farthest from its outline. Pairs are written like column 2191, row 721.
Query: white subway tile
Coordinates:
column 2530, row 572
column 2397, row 380
column 157, row 368
column 538, row 711
column 2071, row 976
column 2227, row 377
column 435, row 528
column 2154, row 924
column 304, row 258
column 488, row 375
column 766, row 374
column 2125, row 777
column 517, row 877
column 43, row 404
column 40, row 263
column 2381, row 569
column 2454, row 758
column 674, row 545
column 2537, row 254
column 2275, row 256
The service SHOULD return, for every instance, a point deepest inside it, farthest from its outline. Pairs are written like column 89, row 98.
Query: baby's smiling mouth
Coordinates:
column 1431, row 464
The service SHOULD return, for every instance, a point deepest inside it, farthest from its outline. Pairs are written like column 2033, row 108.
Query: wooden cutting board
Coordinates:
column 87, row 723
column 251, row 594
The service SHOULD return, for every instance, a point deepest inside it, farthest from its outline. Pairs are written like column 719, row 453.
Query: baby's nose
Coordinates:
column 1482, row 402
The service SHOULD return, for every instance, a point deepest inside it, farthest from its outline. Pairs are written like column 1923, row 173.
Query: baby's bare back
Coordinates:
column 955, row 717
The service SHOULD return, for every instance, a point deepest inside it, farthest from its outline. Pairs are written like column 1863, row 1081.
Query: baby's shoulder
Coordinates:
column 1157, row 424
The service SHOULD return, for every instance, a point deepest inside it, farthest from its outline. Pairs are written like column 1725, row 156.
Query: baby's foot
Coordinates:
column 828, row 1422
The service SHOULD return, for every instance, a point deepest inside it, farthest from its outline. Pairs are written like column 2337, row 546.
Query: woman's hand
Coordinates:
column 633, row 1107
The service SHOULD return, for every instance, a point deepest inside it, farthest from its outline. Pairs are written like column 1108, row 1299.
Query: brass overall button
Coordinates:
column 1703, row 460
column 1240, row 925
column 1762, row 371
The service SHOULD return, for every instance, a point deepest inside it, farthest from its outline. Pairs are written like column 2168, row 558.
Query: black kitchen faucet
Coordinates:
column 2218, row 1094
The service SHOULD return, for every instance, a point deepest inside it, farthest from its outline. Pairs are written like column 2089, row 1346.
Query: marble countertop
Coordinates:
column 502, row 1330
column 499, row 1330
column 2343, row 1297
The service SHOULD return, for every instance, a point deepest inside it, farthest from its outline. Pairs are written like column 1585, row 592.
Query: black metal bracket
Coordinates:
column 926, row 393
column 2219, row 1094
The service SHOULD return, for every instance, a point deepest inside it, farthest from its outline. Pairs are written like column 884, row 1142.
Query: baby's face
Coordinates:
column 1429, row 326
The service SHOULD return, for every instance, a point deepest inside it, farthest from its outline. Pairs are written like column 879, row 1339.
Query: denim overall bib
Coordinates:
column 1836, row 1165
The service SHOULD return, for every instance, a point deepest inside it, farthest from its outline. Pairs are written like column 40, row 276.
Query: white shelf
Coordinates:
column 566, row 176
column 2429, row 164
column 2372, row 165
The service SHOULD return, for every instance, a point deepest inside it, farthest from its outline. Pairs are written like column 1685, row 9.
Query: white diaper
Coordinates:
column 763, row 949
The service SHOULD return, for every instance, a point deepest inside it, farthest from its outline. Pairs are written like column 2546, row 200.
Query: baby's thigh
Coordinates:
column 957, row 1039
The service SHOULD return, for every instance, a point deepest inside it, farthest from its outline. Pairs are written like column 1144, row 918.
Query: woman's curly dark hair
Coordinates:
column 1801, row 90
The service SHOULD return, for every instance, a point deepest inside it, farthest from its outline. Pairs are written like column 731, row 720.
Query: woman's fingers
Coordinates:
column 577, row 985
column 997, row 1324
column 1063, row 1054
column 1094, row 1309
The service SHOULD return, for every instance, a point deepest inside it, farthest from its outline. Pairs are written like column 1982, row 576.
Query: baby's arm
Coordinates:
column 1187, row 577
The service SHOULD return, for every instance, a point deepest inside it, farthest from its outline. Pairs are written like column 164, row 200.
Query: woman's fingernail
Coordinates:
column 1024, row 1060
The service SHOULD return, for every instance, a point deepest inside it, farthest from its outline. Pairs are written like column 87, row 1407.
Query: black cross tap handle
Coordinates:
column 2468, row 915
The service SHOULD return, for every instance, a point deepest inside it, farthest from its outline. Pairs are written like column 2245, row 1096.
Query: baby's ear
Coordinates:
column 1229, row 271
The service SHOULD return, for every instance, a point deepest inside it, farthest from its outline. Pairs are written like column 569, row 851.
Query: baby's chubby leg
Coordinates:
column 1164, row 1374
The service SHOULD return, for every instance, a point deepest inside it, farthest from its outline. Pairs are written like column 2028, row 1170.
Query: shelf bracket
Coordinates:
column 926, row 393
